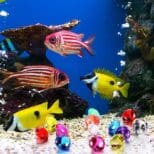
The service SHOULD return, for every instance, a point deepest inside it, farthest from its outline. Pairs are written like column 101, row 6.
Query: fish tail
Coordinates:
column 124, row 90
column 55, row 108
column 88, row 44
column 4, row 73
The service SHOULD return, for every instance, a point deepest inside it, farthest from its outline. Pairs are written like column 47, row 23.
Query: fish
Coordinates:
column 37, row 76
column 2, row 1
column 66, row 42
column 41, row 135
column 7, row 45
column 106, row 84
column 32, row 117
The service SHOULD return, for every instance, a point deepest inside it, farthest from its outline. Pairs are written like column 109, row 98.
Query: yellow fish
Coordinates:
column 106, row 84
column 2, row 1
column 32, row 117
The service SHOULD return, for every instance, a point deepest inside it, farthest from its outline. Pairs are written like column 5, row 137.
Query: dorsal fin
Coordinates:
column 104, row 71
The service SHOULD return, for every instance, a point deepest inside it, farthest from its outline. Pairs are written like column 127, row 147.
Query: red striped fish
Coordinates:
column 39, row 76
column 66, row 42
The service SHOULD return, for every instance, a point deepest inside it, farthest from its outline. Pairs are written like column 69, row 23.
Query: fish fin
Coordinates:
column 124, row 90
column 88, row 44
column 55, row 108
column 80, row 54
column 106, row 72
column 5, row 73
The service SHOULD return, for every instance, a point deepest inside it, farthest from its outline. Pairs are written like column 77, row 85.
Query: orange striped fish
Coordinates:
column 39, row 76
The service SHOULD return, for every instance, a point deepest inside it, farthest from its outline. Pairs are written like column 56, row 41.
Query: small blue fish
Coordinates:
column 8, row 45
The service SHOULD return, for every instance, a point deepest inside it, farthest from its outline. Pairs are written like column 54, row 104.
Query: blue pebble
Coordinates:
column 63, row 143
column 114, row 125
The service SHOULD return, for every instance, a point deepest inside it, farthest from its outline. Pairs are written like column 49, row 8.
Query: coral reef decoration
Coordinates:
column 31, row 38
column 139, row 49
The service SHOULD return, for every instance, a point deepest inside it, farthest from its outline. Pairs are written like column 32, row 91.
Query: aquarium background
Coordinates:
column 101, row 18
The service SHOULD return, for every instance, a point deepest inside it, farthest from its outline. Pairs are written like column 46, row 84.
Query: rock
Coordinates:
column 139, row 69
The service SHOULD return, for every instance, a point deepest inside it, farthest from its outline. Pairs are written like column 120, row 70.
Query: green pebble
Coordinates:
column 93, row 111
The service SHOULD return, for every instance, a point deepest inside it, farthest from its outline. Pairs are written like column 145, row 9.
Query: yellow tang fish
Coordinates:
column 106, row 84
column 32, row 117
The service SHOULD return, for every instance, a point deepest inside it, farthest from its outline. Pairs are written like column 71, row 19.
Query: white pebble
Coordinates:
column 121, row 53
column 4, row 13
column 125, row 25
column 119, row 33
column 122, row 63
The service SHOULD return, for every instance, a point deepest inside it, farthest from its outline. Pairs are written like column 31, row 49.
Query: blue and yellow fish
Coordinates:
column 32, row 117
column 106, row 84
column 7, row 45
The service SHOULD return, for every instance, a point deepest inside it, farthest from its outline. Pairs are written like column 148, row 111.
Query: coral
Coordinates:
column 15, row 99
column 139, row 69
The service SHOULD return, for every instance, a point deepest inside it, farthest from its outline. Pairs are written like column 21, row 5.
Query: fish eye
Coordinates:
column 112, row 82
column 52, row 40
column 61, row 77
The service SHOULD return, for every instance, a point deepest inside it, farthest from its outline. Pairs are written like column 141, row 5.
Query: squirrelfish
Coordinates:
column 67, row 42
column 39, row 76
column 106, row 84
column 32, row 117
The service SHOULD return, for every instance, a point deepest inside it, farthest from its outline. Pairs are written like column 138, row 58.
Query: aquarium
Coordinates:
column 76, row 77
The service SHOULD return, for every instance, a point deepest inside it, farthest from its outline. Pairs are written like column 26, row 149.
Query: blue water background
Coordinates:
column 102, row 18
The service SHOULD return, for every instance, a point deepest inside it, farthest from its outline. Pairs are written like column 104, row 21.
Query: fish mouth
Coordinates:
column 89, row 80
column 48, row 45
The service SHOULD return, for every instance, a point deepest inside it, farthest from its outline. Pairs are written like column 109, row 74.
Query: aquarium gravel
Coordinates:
column 17, row 143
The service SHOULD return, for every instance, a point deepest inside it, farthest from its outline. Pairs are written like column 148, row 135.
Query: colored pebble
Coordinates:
column 97, row 144
column 50, row 123
column 93, row 111
column 117, row 143
column 63, row 143
column 114, row 125
column 128, row 116
column 123, row 130
column 139, row 126
column 61, row 130
column 92, row 119
column 41, row 135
